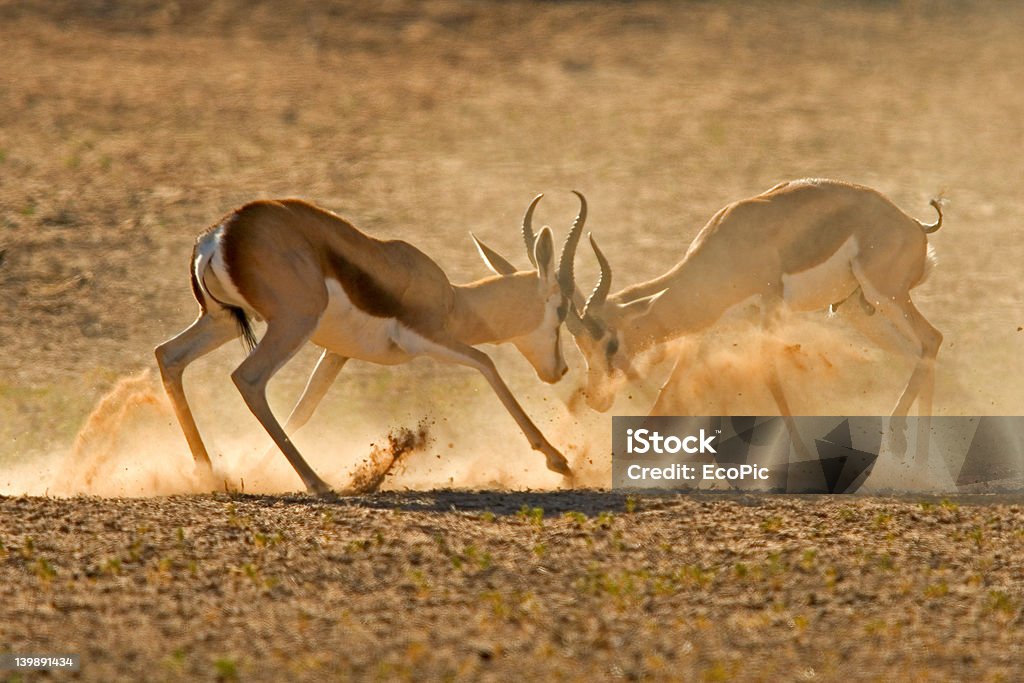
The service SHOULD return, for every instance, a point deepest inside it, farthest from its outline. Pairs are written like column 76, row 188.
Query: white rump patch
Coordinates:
column 930, row 261
column 212, row 271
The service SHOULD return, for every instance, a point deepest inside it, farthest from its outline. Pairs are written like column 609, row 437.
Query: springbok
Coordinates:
column 313, row 276
column 805, row 244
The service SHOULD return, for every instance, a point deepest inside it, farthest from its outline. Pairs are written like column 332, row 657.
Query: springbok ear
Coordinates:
column 492, row 259
column 544, row 254
column 638, row 307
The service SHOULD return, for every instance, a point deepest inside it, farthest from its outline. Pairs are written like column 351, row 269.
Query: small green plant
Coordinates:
column 534, row 516
column 998, row 601
column 174, row 661
column 226, row 669
column 476, row 558
column 419, row 582
column 604, row 520
column 771, row 524
column 809, row 559
column 112, row 566
column 135, row 549
column 44, row 570
column 716, row 673
column 632, row 503
column 936, row 590
column 487, row 516
column 577, row 518
column 356, row 546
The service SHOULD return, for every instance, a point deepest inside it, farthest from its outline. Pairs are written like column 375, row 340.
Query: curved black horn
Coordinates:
column 566, row 261
column 604, row 283
column 528, row 235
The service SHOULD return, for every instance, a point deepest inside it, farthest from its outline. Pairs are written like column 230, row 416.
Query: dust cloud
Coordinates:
column 131, row 444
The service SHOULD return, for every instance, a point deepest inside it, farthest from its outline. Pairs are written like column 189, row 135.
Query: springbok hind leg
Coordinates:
column 770, row 310
column 284, row 337
column 210, row 331
column 921, row 385
column 323, row 376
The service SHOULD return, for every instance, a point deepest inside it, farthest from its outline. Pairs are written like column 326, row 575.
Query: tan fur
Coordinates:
column 821, row 240
column 313, row 276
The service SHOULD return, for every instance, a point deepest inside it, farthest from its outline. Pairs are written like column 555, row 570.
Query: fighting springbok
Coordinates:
column 805, row 244
column 313, row 276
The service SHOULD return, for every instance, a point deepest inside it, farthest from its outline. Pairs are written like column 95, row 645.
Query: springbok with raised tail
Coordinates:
column 314, row 277
column 805, row 244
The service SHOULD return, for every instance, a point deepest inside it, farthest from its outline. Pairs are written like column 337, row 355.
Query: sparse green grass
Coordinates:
column 226, row 670
column 577, row 518
column 532, row 515
column 436, row 131
column 44, row 570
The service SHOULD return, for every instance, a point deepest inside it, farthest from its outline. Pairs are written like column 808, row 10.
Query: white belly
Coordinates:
column 824, row 284
column 348, row 331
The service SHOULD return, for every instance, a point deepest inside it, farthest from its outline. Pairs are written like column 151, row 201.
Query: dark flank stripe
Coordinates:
column 363, row 290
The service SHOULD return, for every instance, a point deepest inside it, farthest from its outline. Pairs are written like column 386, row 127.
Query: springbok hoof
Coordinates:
column 898, row 437
column 559, row 465
column 320, row 489
column 206, row 479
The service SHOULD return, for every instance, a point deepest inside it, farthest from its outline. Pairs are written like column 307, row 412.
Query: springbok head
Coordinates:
column 598, row 332
column 543, row 298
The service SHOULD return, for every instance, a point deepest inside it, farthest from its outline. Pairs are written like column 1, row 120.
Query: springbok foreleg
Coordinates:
column 463, row 354
column 323, row 376
column 210, row 330
column 283, row 338
column 670, row 395
column 667, row 401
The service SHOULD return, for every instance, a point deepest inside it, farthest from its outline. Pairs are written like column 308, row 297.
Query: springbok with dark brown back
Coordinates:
column 314, row 277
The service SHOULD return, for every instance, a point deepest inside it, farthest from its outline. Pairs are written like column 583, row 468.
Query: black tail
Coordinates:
column 244, row 327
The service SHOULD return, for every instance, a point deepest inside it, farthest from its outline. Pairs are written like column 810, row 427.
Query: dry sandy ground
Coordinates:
column 126, row 128
column 515, row 586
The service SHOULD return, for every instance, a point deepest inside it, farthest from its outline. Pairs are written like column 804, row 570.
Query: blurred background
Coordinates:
column 126, row 128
